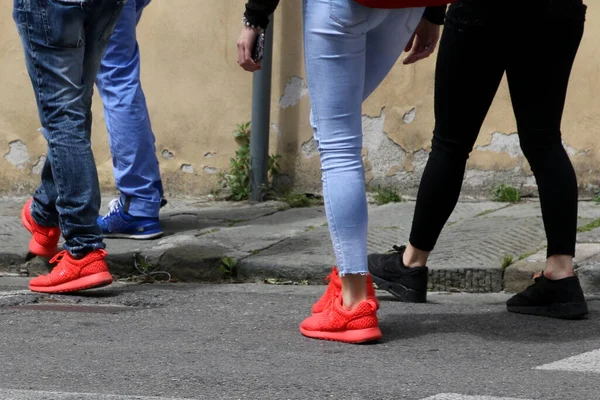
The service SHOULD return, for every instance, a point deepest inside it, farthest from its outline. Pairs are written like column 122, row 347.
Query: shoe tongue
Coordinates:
column 333, row 274
column 59, row 256
column 399, row 249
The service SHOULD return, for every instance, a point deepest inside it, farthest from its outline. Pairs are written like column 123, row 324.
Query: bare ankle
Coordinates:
column 414, row 257
column 559, row 267
column 354, row 290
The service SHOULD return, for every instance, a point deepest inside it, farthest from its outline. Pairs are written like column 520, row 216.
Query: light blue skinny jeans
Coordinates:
column 349, row 49
column 130, row 136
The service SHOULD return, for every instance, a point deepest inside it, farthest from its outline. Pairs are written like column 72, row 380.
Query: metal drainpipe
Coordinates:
column 261, row 113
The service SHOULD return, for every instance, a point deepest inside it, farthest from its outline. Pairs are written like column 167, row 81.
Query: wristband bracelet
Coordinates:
column 249, row 25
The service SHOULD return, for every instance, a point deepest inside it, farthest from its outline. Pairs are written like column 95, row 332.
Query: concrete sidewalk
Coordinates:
column 273, row 243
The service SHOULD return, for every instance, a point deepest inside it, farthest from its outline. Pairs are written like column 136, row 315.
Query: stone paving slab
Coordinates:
column 271, row 241
column 592, row 236
column 531, row 208
column 456, row 263
column 305, row 257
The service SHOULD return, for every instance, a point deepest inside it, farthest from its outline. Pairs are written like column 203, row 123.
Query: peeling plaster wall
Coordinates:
column 197, row 95
column 17, row 154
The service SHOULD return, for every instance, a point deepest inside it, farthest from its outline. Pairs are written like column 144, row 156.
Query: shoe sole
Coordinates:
column 88, row 282
column 35, row 247
column 557, row 310
column 350, row 336
column 400, row 291
column 130, row 236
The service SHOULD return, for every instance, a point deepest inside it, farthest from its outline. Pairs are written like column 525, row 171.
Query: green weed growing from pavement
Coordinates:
column 507, row 261
column 589, row 226
column 237, row 180
column 147, row 271
column 228, row 268
column 506, row 193
column 300, row 200
column 234, row 222
column 486, row 212
column 386, row 195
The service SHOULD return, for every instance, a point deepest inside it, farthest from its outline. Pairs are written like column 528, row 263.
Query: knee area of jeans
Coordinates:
column 349, row 157
column 348, row 144
column 70, row 129
column 69, row 142
column 62, row 116
column 342, row 167
column 125, row 105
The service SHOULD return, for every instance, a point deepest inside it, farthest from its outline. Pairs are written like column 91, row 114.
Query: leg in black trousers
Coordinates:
column 538, row 77
column 471, row 63
column 468, row 72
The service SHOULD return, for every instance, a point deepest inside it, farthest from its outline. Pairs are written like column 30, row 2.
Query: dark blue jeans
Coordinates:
column 64, row 41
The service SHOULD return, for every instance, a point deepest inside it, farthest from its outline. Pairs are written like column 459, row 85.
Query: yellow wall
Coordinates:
column 197, row 94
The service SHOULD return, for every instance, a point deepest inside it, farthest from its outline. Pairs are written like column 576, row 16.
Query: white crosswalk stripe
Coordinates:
column 40, row 395
column 586, row 362
column 455, row 396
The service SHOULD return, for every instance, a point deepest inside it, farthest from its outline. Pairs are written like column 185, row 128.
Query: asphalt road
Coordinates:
column 242, row 342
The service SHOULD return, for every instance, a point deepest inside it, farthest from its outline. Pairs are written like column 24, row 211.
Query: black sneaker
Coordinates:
column 562, row 299
column 389, row 273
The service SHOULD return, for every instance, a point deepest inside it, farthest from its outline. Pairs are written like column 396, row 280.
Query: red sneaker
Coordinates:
column 334, row 288
column 44, row 242
column 73, row 275
column 335, row 323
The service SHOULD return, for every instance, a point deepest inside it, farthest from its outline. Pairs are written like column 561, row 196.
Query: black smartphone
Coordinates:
column 259, row 48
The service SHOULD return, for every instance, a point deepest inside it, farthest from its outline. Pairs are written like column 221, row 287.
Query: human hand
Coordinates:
column 423, row 42
column 244, row 47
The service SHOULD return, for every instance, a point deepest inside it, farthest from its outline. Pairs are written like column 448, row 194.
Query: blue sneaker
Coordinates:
column 118, row 224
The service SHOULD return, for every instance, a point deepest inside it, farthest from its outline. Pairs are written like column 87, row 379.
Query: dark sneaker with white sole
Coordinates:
column 562, row 299
column 389, row 273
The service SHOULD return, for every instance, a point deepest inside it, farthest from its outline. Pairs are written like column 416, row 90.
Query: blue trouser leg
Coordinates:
column 131, row 139
column 64, row 43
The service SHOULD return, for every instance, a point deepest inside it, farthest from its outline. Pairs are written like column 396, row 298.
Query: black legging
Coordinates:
column 535, row 44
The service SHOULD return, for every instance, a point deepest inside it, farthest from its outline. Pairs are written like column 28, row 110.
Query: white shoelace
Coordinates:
column 113, row 207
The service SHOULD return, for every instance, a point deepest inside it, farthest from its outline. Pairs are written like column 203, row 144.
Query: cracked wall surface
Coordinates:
column 196, row 101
